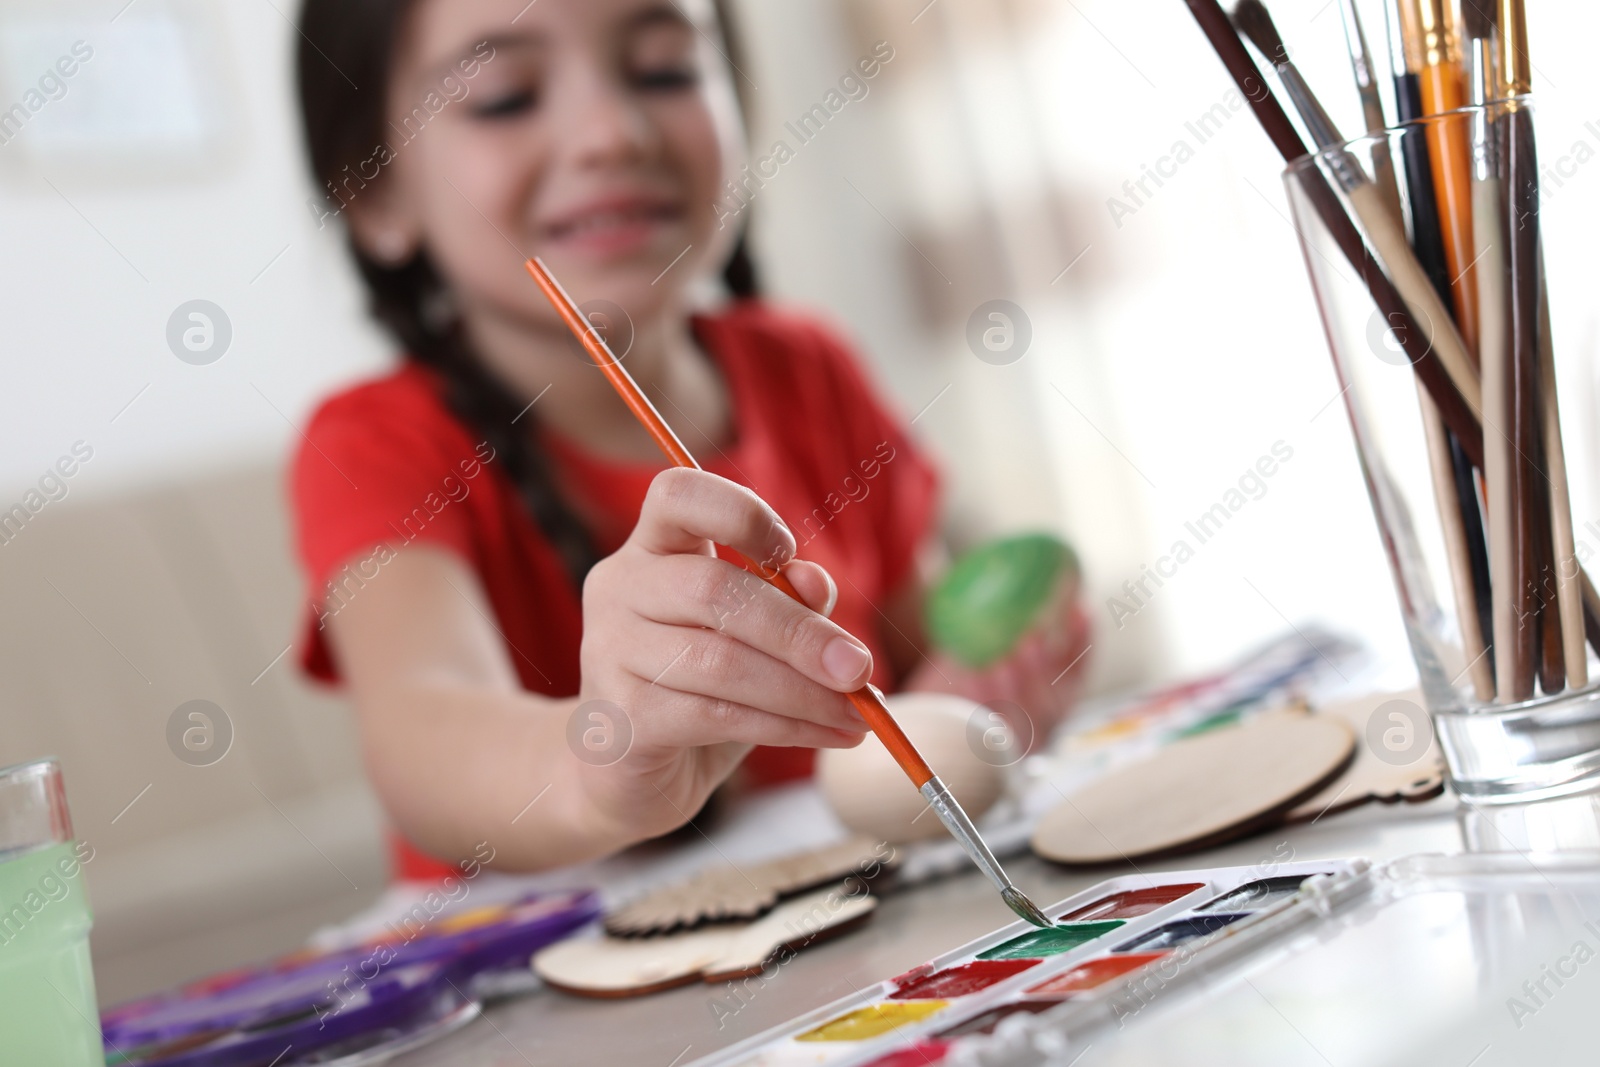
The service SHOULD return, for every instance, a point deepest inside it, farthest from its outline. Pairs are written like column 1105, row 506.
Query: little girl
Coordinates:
column 499, row 561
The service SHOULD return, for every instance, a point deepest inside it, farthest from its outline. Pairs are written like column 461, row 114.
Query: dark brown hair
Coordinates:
column 348, row 43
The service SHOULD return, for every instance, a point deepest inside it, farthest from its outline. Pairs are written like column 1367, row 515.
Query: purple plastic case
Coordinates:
column 251, row 1017
column 398, row 999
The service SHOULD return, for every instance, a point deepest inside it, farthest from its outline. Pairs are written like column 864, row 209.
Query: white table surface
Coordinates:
column 912, row 926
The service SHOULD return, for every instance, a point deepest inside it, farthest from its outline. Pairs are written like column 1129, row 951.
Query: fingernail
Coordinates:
column 833, row 596
column 845, row 660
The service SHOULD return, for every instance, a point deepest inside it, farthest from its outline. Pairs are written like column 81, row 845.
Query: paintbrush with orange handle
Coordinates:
column 867, row 699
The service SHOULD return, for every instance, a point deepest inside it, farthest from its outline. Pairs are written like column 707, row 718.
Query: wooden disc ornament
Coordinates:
column 1198, row 791
column 630, row 967
column 727, row 893
column 1399, row 761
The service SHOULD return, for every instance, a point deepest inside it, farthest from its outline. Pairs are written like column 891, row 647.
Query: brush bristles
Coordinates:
column 1479, row 17
column 1254, row 21
column 1018, row 902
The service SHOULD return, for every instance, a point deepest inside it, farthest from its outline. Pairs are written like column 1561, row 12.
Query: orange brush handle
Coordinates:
column 611, row 366
column 866, row 699
column 870, row 705
column 1449, row 145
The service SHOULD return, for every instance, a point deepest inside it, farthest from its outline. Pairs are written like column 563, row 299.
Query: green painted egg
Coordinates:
column 984, row 604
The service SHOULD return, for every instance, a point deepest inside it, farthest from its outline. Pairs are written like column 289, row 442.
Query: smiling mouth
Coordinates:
column 611, row 221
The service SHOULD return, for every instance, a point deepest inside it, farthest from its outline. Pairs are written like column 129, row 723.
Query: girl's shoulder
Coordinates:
column 397, row 426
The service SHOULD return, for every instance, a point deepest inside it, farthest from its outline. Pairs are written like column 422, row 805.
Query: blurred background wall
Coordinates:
column 1172, row 342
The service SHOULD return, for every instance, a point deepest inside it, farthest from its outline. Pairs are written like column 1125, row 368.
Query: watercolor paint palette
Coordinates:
column 1113, row 932
column 1484, row 959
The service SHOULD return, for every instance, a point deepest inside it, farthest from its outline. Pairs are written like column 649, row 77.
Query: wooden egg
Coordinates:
column 872, row 795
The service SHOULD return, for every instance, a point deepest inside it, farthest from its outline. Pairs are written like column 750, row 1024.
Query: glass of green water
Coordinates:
column 47, row 1005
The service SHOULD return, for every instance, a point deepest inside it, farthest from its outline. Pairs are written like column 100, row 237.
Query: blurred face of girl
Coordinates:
column 596, row 134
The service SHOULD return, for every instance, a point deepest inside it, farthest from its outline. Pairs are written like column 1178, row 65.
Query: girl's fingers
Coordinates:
column 686, row 508
column 699, row 591
column 722, row 668
column 676, row 719
column 1046, row 663
column 814, row 585
column 1082, row 628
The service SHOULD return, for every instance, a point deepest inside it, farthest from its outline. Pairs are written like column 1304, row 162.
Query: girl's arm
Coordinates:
column 701, row 659
column 452, row 743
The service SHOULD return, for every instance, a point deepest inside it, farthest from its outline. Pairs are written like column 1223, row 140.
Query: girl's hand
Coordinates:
column 1042, row 676
column 689, row 660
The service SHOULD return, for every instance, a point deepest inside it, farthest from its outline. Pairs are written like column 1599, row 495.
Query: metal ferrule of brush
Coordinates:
column 1346, row 169
column 1356, row 41
column 944, row 805
column 1485, row 163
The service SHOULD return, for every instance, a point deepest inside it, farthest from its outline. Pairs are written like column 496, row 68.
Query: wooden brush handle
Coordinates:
column 1500, row 458
column 1569, row 591
column 1448, row 499
column 869, row 704
column 1526, row 430
column 1450, row 147
column 1432, row 318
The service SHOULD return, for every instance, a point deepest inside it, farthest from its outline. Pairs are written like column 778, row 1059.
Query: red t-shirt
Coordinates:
column 388, row 463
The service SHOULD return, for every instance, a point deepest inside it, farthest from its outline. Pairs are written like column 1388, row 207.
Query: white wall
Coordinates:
column 84, row 333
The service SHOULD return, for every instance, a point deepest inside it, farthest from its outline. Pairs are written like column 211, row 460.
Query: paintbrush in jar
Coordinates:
column 1417, row 338
column 1366, row 75
column 1500, row 471
column 1454, row 490
column 1571, row 585
column 1383, row 231
column 1438, row 192
column 1537, row 632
